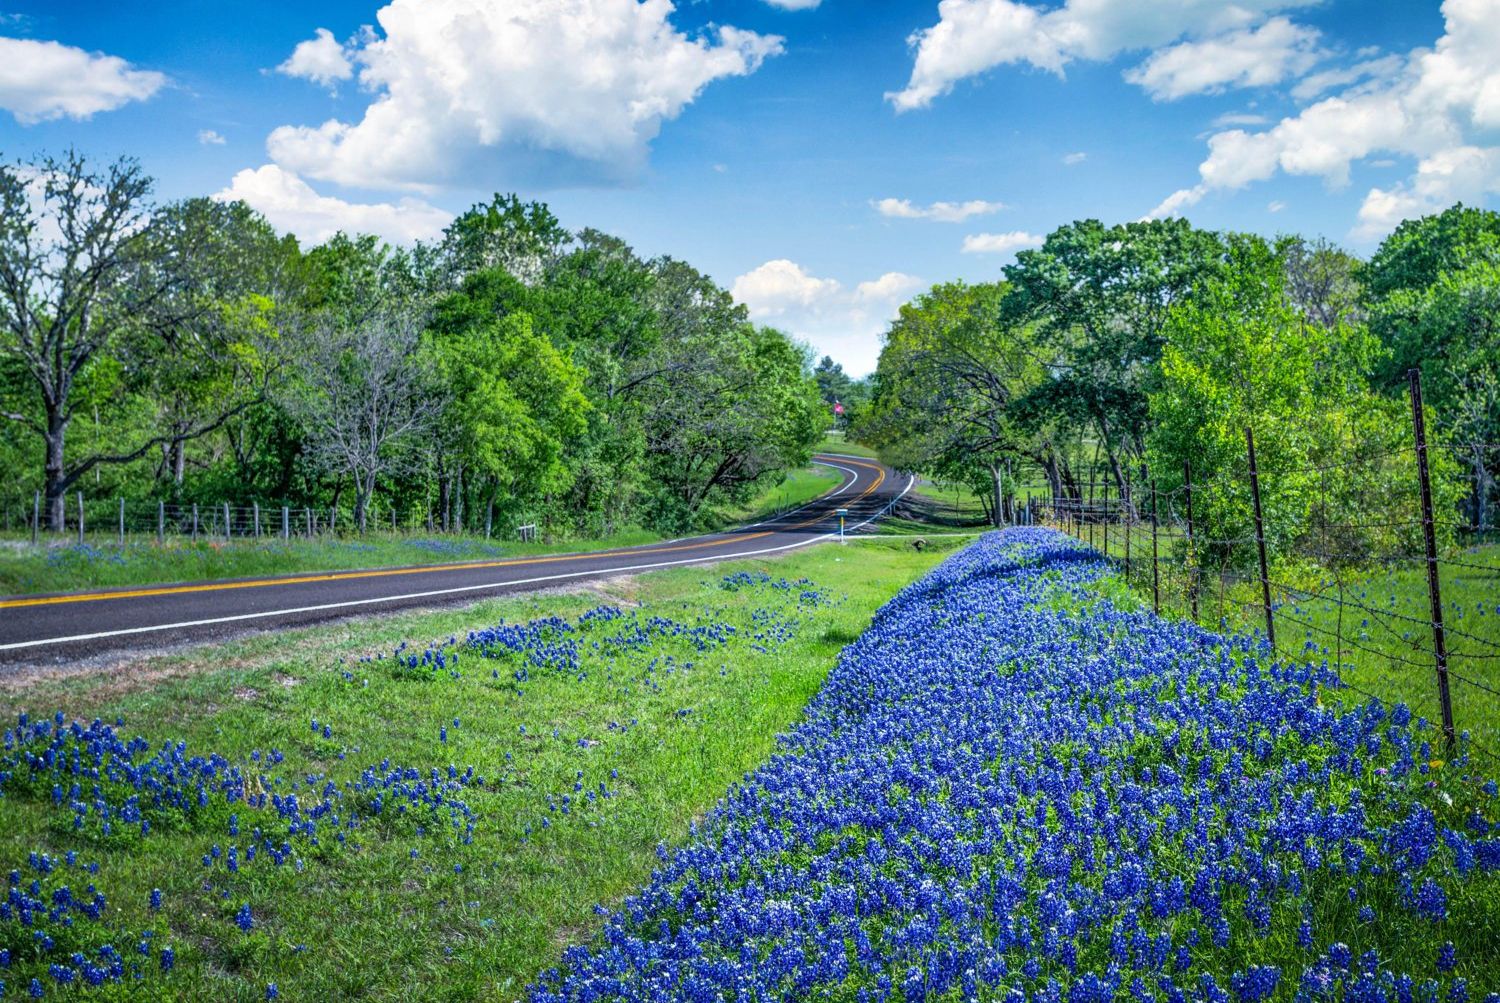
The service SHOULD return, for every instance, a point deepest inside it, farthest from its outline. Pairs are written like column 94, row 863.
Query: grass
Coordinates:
column 835, row 442
column 1375, row 624
column 101, row 562
column 410, row 915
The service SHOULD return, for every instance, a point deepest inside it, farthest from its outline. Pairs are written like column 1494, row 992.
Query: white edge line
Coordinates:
column 241, row 617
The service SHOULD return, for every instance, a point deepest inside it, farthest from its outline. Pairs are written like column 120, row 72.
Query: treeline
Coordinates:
column 1156, row 344
column 510, row 372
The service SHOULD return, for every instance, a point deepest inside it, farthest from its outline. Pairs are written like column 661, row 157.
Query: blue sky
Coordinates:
column 824, row 158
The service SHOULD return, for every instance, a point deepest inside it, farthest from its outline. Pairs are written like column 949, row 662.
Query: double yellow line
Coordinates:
column 340, row 576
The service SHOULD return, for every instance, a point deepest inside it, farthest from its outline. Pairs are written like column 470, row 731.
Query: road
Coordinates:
column 57, row 629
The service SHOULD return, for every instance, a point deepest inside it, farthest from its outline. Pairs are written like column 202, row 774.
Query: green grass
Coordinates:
column 835, row 442
column 1385, row 649
column 378, row 923
column 62, row 566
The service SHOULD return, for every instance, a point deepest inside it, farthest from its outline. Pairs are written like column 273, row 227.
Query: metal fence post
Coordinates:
column 80, row 518
column 255, row 514
column 1192, row 557
column 1091, row 515
column 122, row 521
column 36, row 516
column 195, row 522
column 286, row 523
column 228, row 525
column 1260, row 537
column 161, row 521
column 1127, row 514
column 1155, row 564
column 307, row 517
column 1434, row 589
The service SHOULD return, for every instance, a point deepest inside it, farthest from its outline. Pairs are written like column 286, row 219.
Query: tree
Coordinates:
column 94, row 291
column 1098, row 298
column 363, row 396
column 950, row 375
column 833, row 386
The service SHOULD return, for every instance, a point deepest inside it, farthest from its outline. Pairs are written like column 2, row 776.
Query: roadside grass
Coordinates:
column 413, row 909
column 1374, row 624
column 834, row 441
column 59, row 566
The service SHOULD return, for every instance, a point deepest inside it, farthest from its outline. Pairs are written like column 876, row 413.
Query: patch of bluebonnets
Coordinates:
column 1009, row 789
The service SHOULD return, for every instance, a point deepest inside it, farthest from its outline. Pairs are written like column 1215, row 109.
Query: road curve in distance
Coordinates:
column 57, row 629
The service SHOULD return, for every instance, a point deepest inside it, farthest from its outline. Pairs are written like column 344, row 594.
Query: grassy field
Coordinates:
column 1375, row 624
column 64, row 565
column 835, row 442
column 590, row 745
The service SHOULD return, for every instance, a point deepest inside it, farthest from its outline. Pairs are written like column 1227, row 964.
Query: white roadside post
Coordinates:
column 842, row 514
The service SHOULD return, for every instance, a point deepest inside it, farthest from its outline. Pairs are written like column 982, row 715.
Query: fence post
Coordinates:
column 255, row 514
column 161, row 522
column 1155, row 564
column 1106, row 517
column 1192, row 557
column 228, row 525
column 1260, row 537
column 1127, row 513
column 80, row 518
column 286, row 523
column 36, row 516
column 1434, row 590
column 195, row 522
column 333, row 519
column 1091, row 515
column 307, row 516
column 122, row 521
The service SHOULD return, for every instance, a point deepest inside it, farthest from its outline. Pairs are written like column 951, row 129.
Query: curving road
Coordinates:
column 63, row 628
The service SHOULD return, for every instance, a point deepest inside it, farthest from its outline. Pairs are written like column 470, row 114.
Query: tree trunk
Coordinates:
column 55, row 487
column 179, row 461
column 445, row 498
column 997, row 510
column 363, row 492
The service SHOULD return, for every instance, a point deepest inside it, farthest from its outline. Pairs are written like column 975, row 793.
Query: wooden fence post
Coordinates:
column 80, row 518
column 36, row 516
column 228, row 523
column 286, row 523
column 255, row 514
column 161, row 522
column 1429, row 534
column 1260, row 538
column 195, row 522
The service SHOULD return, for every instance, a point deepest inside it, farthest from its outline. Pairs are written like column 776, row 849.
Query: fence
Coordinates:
column 88, row 519
column 1381, row 581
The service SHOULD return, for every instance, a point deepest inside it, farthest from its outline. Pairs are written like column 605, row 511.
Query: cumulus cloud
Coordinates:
column 1000, row 243
column 838, row 321
column 41, row 81
column 1436, row 108
column 209, row 137
column 973, row 36
column 321, row 59
column 565, row 91
column 1252, row 57
column 942, row 212
column 291, row 204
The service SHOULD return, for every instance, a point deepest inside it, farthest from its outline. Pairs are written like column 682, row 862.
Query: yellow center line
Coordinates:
column 340, row 576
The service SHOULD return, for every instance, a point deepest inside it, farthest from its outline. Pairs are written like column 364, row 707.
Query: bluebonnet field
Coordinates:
column 1011, row 788
column 210, row 870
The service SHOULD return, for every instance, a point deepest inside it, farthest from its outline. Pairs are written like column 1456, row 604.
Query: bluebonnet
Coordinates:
column 1005, row 779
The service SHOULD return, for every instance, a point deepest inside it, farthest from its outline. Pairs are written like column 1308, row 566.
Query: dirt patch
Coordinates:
column 247, row 694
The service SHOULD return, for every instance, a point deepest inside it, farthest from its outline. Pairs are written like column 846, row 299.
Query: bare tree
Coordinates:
column 365, row 397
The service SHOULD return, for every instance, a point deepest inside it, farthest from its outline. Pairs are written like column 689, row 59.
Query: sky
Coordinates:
column 825, row 160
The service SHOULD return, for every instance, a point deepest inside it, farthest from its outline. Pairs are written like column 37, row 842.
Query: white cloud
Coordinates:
column 208, row 137
column 1000, row 243
column 1275, row 205
column 1174, row 203
column 835, row 320
column 41, row 81
column 794, row 4
column 1073, row 159
column 1251, row 57
column 973, row 36
column 1237, row 118
column 942, row 212
column 1438, row 108
column 1315, row 84
column 321, row 59
column 291, row 204
column 559, row 91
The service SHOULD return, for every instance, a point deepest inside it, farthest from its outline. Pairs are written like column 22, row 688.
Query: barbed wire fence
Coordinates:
column 1383, row 583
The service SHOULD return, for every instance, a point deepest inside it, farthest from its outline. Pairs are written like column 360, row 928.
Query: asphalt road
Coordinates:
column 57, row 629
